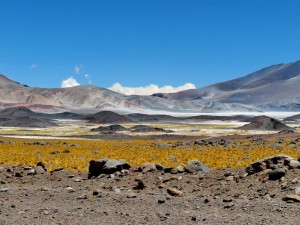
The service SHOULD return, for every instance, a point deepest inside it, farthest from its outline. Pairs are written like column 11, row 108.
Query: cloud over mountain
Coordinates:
column 150, row 89
column 70, row 82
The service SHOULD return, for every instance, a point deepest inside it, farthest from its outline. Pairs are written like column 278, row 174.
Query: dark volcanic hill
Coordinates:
column 145, row 129
column 23, row 117
column 18, row 112
column 111, row 128
column 107, row 117
column 26, row 121
column 265, row 123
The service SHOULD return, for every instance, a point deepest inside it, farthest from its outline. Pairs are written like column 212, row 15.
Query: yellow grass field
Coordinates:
column 74, row 155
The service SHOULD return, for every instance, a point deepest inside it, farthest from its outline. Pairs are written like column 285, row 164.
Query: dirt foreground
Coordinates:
column 218, row 197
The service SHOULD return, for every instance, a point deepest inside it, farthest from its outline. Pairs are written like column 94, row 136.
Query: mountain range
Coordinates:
column 275, row 88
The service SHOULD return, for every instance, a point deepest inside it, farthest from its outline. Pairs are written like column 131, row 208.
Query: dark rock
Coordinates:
column 277, row 174
column 139, row 185
column 41, row 164
column 106, row 166
column 54, row 152
column 42, row 143
column 168, row 169
column 159, row 166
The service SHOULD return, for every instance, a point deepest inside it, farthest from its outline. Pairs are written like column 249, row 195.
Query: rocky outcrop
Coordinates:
column 275, row 167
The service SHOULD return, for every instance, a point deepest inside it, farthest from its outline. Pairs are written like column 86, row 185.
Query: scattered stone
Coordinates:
column 132, row 195
column 106, row 166
column 40, row 164
column 42, row 143
column 294, row 164
column 284, row 185
column 172, row 158
column 195, row 166
column 19, row 174
column 291, row 198
column 39, row 170
column 44, row 189
column 180, row 169
column 159, row 166
column 148, row 167
column 230, row 178
column 277, row 174
column 267, row 197
column 27, row 168
column 54, row 152
column 297, row 190
column 82, row 197
column 139, row 186
column 31, row 172
column 174, row 192
column 2, row 182
column 229, row 205
column 161, row 200
column 168, row 169
column 4, row 189
column 58, row 169
column 70, row 189
column 227, row 200
column 96, row 192
column 117, row 190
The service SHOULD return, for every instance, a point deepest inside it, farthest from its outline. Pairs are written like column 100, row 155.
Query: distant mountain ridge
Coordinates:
column 277, row 84
column 274, row 88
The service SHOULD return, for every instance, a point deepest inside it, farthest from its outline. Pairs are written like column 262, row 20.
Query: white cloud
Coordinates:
column 149, row 90
column 77, row 69
column 33, row 66
column 87, row 76
column 70, row 82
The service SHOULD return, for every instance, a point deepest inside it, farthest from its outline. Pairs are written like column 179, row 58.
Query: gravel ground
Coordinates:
column 218, row 197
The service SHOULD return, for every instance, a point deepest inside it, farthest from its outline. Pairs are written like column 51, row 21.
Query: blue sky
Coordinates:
column 143, row 42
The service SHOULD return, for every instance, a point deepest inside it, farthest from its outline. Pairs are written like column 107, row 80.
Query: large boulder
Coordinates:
column 195, row 166
column 107, row 166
